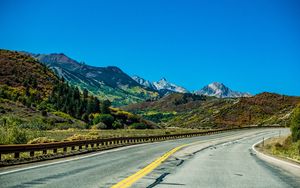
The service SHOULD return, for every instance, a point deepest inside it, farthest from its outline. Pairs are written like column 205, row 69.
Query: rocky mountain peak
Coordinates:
column 219, row 90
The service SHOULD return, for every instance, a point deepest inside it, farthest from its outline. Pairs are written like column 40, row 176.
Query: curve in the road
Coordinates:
column 103, row 169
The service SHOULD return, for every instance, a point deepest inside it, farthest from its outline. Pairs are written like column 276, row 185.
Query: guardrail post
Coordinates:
column 55, row 150
column 65, row 149
column 31, row 153
column 80, row 147
column 73, row 148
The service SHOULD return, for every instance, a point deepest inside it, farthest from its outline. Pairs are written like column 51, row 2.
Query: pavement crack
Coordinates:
column 158, row 180
column 238, row 174
column 180, row 163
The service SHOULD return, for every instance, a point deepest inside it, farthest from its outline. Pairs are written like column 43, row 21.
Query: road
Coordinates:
column 104, row 169
column 229, row 164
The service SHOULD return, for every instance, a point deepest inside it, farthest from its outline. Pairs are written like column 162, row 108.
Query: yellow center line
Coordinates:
column 127, row 182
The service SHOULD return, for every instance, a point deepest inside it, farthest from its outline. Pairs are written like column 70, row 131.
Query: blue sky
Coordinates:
column 250, row 45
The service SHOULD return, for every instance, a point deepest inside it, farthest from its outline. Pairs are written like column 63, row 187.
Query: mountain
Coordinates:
column 143, row 82
column 198, row 111
column 25, row 86
column 261, row 109
column 33, row 98
column 162, row 86
column 219, row 90
column 104, row 82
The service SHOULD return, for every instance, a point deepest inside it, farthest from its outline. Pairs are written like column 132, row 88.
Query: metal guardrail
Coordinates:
column 97, row 144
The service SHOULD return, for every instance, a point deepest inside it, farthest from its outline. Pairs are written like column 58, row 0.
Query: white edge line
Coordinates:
column 272, row 158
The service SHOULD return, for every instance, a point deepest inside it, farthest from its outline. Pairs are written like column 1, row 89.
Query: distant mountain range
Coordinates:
column 215, row 89
column 115, row 85
column 25, row 80
column 105, row 82
column 219, row 90
column 162, row 86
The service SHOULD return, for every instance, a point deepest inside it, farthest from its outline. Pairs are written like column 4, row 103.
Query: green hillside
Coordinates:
column 191, row 111
column 34, row 99
column 107, row 83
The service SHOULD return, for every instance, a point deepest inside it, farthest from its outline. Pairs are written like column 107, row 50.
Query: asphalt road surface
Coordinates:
column 229, row 164
column 226, row 165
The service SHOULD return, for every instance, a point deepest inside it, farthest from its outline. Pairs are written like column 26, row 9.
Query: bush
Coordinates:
column 107, row 119
column 18, row 136
column 295, row 124
column 15, row 135
column 99, row 125
column 41, row 140
column 117, row 125
column 139, row 126
column 81, row 137
column 93, row 133
column 35, row 125
column 13, row 132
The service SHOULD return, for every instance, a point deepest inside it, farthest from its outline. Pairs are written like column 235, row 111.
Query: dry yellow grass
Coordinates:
column 282, row 147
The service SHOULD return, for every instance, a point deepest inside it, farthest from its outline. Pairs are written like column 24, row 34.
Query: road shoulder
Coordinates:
column 286, row 164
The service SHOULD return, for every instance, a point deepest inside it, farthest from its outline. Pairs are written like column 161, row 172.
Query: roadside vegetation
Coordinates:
column 16, row 131
column 287, row 147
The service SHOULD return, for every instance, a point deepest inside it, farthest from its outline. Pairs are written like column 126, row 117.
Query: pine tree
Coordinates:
column 105, row 107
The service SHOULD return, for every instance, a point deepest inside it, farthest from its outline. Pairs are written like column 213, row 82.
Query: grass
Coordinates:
column 283, row 147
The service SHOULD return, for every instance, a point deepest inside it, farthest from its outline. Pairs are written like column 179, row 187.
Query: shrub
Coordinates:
column 295, row 124
column 139, row 126
column 93, row 133
column 18, row 136
column 81, row 137
column 40, row 140
column 107, row 119
column 99, row 125
column 117, row 125
column 15, row 135
column 35, row 125
column 62, row 115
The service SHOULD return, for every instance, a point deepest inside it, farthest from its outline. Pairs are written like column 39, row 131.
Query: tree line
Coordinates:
column 68, row 99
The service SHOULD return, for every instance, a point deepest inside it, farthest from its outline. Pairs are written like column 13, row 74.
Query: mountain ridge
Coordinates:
column 104, row 82
column 195, row 111
column 219, row 90
column 162, row 86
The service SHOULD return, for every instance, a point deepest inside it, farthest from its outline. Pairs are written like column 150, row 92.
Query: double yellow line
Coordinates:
column 127, row 182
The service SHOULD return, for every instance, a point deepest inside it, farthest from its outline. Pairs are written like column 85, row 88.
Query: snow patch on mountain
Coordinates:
column 219, row 90
column 162, row 85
